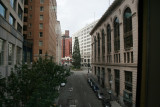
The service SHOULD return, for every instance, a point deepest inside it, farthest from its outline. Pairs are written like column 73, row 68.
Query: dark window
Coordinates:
column 40, row 51
column 20, row 12
column 19, row 28
column 127, row 24
column 98, row 47
column 40, row 34
column 116, row 35
column 41, row 8
column 13, row 4
column 25, row 2
column 117, row 83
column 25, row 10
column 2, row 11
column 25, row 19
column 108, row 39
column 25, row 28
column 95, row 48
column 128, row 80
column 103, row 45
column 11, row 20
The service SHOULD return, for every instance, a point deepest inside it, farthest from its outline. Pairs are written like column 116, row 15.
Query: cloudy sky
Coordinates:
column 75, row 14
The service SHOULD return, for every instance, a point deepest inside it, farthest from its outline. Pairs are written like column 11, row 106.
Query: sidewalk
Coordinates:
column 104, row 90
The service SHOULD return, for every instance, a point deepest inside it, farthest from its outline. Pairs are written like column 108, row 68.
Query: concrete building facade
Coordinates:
column 66, row 48
column 115, row 51
column 40, row 21
column 11, row 38
column 59, row 43
column 85, row 43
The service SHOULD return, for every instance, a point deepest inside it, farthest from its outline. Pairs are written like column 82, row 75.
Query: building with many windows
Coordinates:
column 66, row 48
column 11, row 38
column 85, row 43
column 40, row 19
column 115, row 50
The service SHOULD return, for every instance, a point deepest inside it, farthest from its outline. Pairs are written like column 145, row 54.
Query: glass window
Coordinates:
column 30, row 7
column 1, row 52
column 13, row 4
column 108, row 39
column 95, row 48
column 11, row 20
column 41, row 8
column 98, row 47
column 41, row 25
column 40, row 43
column 20, row 12
column 103, row 45
column 127, row 24
column 18, row 58
column 10, row 54
column 116, row 35
column 40, row 34
column 40, row 51
column 30, row 16
column 128, row 80
column 41, row 17
column 2, row 10
column 19, row 27
column 41, row 1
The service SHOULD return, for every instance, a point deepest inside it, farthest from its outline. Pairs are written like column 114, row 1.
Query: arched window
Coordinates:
column 98, row 47
column 116, row 35
column 108, row 39
column 103, row 45
column 127, row 24
column 95, row 48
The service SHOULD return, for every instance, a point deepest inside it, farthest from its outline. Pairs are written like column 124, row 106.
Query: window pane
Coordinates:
column 40, row 34
column 2, row 10
column 1, row 52
column 41, row 17
column 10, row 54
column 20, row 12
column 41, row 1
column 41, row 8
column 19, row 28
column 40, row 51
column 11, row 20
column 40, row 43
column 41, row 26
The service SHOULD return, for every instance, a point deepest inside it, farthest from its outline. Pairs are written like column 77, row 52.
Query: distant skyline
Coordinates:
column 75, row 14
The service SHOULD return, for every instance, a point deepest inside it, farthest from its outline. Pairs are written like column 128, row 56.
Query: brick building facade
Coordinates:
column 115, row 50
column 39, row 26
column 66, row 48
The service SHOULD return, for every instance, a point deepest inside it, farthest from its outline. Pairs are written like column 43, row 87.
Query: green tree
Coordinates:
column 34, row 86
column 76, row 57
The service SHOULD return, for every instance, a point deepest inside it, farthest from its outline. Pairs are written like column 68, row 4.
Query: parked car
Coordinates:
column 106, row 103
column 63, row 84
column 89, row 80
column 100, row 95
column 92, row 83
column 95, row 88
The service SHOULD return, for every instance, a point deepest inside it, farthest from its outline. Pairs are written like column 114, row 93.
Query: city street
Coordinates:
column 78, row 92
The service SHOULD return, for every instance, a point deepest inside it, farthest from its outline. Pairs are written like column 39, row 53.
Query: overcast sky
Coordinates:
column 75, row 14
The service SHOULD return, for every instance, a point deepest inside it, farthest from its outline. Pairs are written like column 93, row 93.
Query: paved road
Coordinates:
column 77, row 91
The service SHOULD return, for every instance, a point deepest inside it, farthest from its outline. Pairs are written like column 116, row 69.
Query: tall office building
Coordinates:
column 85, row 43
column 11, row 38
column 39, row 26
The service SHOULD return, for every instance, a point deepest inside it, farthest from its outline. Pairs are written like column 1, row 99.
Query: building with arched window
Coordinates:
column 115, row 45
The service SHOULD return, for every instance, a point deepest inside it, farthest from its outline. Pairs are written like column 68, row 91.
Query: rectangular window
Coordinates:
column 128, row 81
column 30, row 33
column 124, row 57
column 131, row 57
column 30, row 8
column 40, row 43
column 40, row 51
column 2, row 11
column 41, row 8
column 20, row 12
column 1, row 52
column 13, row 4
column 19, row 27
column 30, row 25
column 18, row 58
column 30, row 16
column 11, row 20
column 41, row 1
column 41, row 25
column 41, row 17
column 40, row 34
column 10, row 54
column 128, row 57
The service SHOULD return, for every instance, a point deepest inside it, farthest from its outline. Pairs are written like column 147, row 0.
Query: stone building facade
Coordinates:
column 11, row 38
column 115, row 51
column 40, row 21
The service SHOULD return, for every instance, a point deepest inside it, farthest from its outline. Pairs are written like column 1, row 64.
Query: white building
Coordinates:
column 84, row 43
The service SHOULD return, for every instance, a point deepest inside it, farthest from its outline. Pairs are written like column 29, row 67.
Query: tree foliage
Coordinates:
column 76, row 57
column 33, row 86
